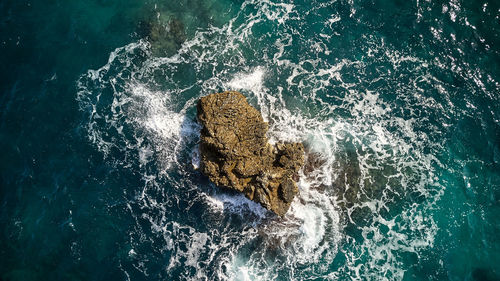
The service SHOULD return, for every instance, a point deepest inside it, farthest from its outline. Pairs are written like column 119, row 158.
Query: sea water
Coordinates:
column 397, row 103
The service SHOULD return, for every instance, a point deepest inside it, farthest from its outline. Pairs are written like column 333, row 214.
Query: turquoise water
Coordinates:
column 397, row 102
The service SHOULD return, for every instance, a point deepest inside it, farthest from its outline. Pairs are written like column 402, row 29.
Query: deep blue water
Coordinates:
column 398, row 103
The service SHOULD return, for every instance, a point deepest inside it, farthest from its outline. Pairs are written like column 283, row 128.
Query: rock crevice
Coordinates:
column 235, row 152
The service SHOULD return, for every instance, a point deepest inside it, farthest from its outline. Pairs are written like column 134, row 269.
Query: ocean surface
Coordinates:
column 397, row 102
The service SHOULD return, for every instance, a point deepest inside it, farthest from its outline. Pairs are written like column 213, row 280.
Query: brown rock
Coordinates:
column 235, row 152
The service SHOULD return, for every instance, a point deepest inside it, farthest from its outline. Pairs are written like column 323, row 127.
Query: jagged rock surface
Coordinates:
column 235, row 152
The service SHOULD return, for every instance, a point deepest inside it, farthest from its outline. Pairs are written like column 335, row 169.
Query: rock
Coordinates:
column 235, row 152
column 165, row 37
column 287, row 190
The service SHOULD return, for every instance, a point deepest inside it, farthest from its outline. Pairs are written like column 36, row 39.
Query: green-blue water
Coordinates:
column 397, row 101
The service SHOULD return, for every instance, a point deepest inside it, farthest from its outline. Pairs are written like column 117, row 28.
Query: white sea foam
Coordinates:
column 252, row 81
column 127, row 112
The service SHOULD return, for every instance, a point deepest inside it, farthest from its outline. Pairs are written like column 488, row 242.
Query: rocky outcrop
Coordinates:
column 235, row 152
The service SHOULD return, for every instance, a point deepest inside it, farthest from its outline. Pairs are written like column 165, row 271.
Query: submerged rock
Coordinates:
column 235, row 152
column 165, row 38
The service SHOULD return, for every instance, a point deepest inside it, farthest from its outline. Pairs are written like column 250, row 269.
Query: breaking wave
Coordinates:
column 367, row 188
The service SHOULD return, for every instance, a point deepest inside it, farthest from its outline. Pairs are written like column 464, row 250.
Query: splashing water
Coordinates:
column 378, row 151
column 396, row 104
